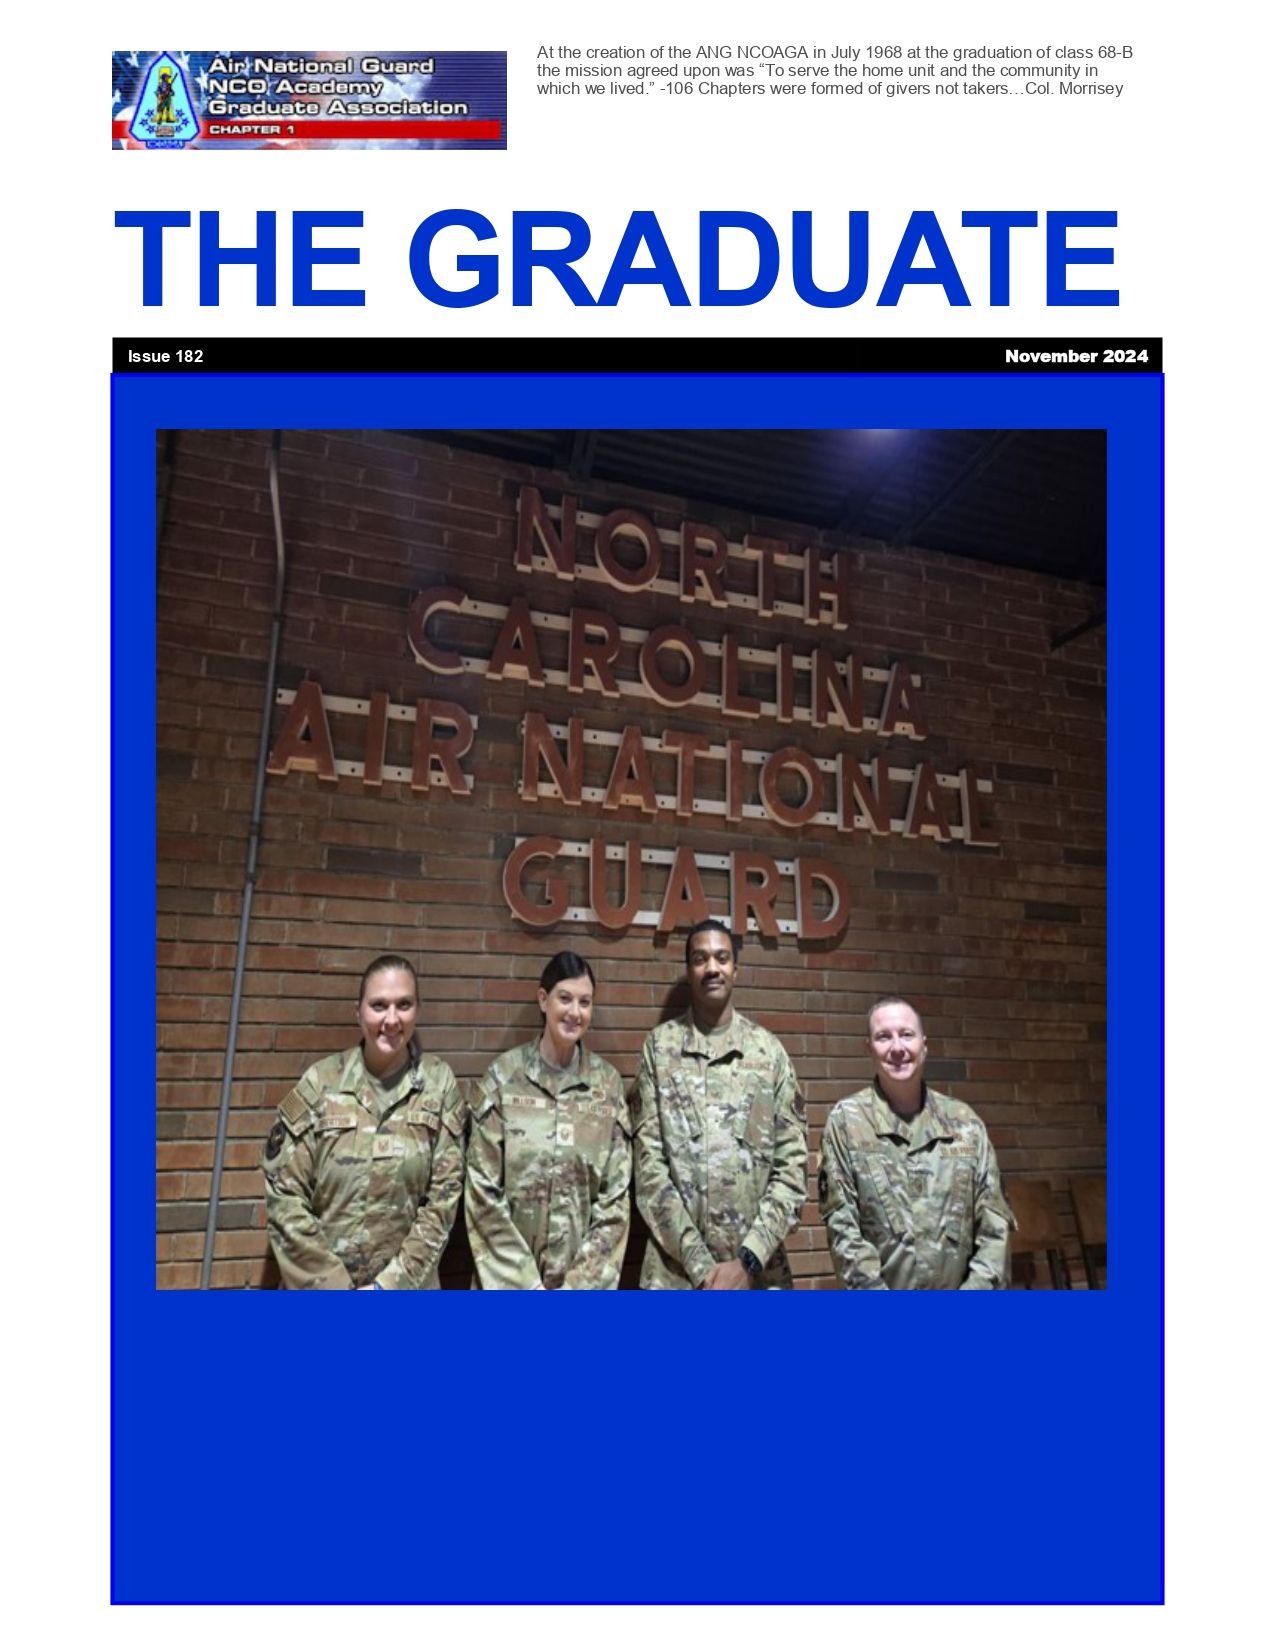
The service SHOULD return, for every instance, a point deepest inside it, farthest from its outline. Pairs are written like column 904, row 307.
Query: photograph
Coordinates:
column 575, row 693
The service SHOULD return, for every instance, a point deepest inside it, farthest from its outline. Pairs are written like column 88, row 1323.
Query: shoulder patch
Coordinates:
column 295, row 1112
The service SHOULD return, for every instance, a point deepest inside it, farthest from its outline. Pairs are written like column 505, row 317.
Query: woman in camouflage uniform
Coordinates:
column 547, row 1179
column 365, row 1165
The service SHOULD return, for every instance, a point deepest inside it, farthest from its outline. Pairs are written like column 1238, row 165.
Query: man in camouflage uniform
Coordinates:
column 547, row 1180
column 721, row 1137
column 908, row 1184
column 363, row 1180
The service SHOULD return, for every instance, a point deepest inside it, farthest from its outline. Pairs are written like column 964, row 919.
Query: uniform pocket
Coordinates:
column 882, row 1208
column 592, row 1136
column 756, row 1125
column 414, row 1136
column 336, row 1134
column 529, row 1129
column 958, row 1204
column 679, row 1114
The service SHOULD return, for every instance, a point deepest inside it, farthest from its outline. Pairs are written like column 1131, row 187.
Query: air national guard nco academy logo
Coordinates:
column 164, row 118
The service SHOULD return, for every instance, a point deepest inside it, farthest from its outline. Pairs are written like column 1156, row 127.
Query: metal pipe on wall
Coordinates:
column 250, row 869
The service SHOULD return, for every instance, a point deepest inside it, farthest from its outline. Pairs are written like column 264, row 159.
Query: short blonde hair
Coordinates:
column 892, row 1002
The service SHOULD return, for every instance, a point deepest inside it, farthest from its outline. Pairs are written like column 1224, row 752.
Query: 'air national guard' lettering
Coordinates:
column 721, row 1151
column 362, row 1184
column 913, row 1202
column 547, row 1179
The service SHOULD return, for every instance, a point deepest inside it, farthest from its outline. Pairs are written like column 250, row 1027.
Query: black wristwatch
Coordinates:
column 748, row 1260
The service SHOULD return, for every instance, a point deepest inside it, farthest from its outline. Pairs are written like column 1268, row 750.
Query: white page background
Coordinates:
column 1178, row 156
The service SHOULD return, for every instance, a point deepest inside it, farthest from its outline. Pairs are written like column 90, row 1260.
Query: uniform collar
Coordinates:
column 550, row 1078
column 930, row 1123
column 731, row 1041
column 354, row 1073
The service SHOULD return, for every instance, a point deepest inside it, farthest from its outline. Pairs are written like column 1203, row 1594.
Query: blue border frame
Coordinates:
column 1008, row 1448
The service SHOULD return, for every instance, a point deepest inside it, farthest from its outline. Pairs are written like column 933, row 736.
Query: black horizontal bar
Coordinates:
column 821, row 356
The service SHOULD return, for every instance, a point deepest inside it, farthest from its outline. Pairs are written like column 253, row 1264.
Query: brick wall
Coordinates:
column 1002, row 948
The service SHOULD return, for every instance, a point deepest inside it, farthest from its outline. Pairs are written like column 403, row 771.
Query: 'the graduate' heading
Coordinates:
column 459, row 258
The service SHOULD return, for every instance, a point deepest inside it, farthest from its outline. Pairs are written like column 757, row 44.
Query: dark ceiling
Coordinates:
column 1035, row 499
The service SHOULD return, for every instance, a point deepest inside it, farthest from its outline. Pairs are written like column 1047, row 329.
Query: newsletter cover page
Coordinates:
column 636, row 731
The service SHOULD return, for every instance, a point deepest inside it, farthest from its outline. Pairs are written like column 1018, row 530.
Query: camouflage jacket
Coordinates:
column 721, row 1152
column 913, row 1203
column 353, row 1197
column 547, row 1179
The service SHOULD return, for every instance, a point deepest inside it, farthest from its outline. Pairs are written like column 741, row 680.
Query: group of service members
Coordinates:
column 367, row 1161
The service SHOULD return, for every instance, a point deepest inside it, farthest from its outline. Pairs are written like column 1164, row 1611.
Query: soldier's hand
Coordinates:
column 727, row 1274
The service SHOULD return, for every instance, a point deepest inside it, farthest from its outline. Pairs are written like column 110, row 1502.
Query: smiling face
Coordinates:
column 710, row 972
column 898, row 1045
column 387, row 1017
column 567, row 1008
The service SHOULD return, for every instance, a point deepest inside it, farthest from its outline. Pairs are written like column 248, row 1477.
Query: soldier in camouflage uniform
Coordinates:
column 908, row 1183
column 365, row 1164
column 547, row 1179
column 721, row 1137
